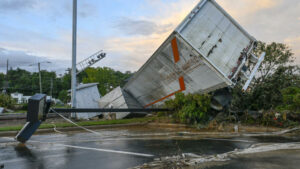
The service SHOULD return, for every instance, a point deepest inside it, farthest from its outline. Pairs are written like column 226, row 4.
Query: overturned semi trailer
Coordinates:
column 208, row 51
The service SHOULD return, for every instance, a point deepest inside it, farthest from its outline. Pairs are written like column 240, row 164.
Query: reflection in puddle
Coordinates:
column 31, row 160
column 76, row 150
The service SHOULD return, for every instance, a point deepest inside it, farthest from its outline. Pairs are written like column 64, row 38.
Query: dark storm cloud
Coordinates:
column 16, row 4
column 27, row 61
column 16, row 58
column 140, row 27
column 84, row 9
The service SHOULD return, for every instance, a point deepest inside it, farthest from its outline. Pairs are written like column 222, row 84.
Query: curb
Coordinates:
column 153, row 124
column 51, row 130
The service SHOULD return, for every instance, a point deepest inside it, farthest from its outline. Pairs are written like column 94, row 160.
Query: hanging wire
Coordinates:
column 54, row 128
column 70, row 121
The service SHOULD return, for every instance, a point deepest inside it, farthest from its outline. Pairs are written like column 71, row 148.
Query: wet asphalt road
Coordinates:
column 134, row 147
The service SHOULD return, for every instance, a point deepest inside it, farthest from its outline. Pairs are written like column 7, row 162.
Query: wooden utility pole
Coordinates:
column 6, row 67
column 40, row 77
column 51, row 87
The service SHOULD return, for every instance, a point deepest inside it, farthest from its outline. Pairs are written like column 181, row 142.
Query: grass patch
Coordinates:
column 11, row 128
column 20, row 111
column 61, row 106
column 17, row 111
column 83, row 123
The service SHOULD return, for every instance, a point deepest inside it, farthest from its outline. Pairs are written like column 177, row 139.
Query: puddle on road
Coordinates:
column 47, row 151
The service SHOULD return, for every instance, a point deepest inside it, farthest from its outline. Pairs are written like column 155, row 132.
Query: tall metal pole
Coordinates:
column 40, row 77
column 73, row 82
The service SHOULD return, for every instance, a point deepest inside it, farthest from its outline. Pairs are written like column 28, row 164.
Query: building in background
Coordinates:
column 20, row 98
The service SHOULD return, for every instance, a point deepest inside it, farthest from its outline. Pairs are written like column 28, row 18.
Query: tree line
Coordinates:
column 23, row 81
column 276, row 85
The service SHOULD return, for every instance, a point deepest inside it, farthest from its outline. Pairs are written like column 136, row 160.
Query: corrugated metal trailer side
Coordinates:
column 216, row 36
column 204, row 53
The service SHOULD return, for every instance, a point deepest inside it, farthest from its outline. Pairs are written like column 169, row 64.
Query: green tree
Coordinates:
column 28, row 83
column 25, row 82
column 291, row 99
column 2, row 80
column 19, row 81
column 275, row 74
column 190, row 108
column 6, row 101
column 277, row 55
column 63, row 96
column 107, row 78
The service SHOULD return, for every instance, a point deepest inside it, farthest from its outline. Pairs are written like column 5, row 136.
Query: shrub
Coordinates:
column 290, row 99
column 63, row 96
column 190, row 108
column 162, row 114
column 6, row 101
column 267, row 94
column 25, row 106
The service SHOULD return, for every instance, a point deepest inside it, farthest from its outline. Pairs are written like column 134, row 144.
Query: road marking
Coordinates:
column 109, row 151
column 96, row 149
column 221, row 139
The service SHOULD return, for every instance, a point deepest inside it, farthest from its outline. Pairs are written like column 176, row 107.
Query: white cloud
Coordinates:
column 294, row 43
column 141, row 27
column 242, row 8
column 266, row 20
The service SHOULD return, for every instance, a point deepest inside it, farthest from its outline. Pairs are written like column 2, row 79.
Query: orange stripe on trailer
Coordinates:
column 161, row 99
column 175, row 49
column 181, row 83
column 182, row 88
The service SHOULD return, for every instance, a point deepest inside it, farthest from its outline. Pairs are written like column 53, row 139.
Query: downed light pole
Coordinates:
column 39, row 107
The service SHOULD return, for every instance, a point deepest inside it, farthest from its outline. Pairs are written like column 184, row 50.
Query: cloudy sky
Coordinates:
column 129, row 31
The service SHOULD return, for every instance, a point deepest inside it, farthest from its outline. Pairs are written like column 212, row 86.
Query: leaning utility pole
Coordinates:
column 51, row 88
column 40, row 77
column 6, row 67
column 73, row 81
column 40, row 74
